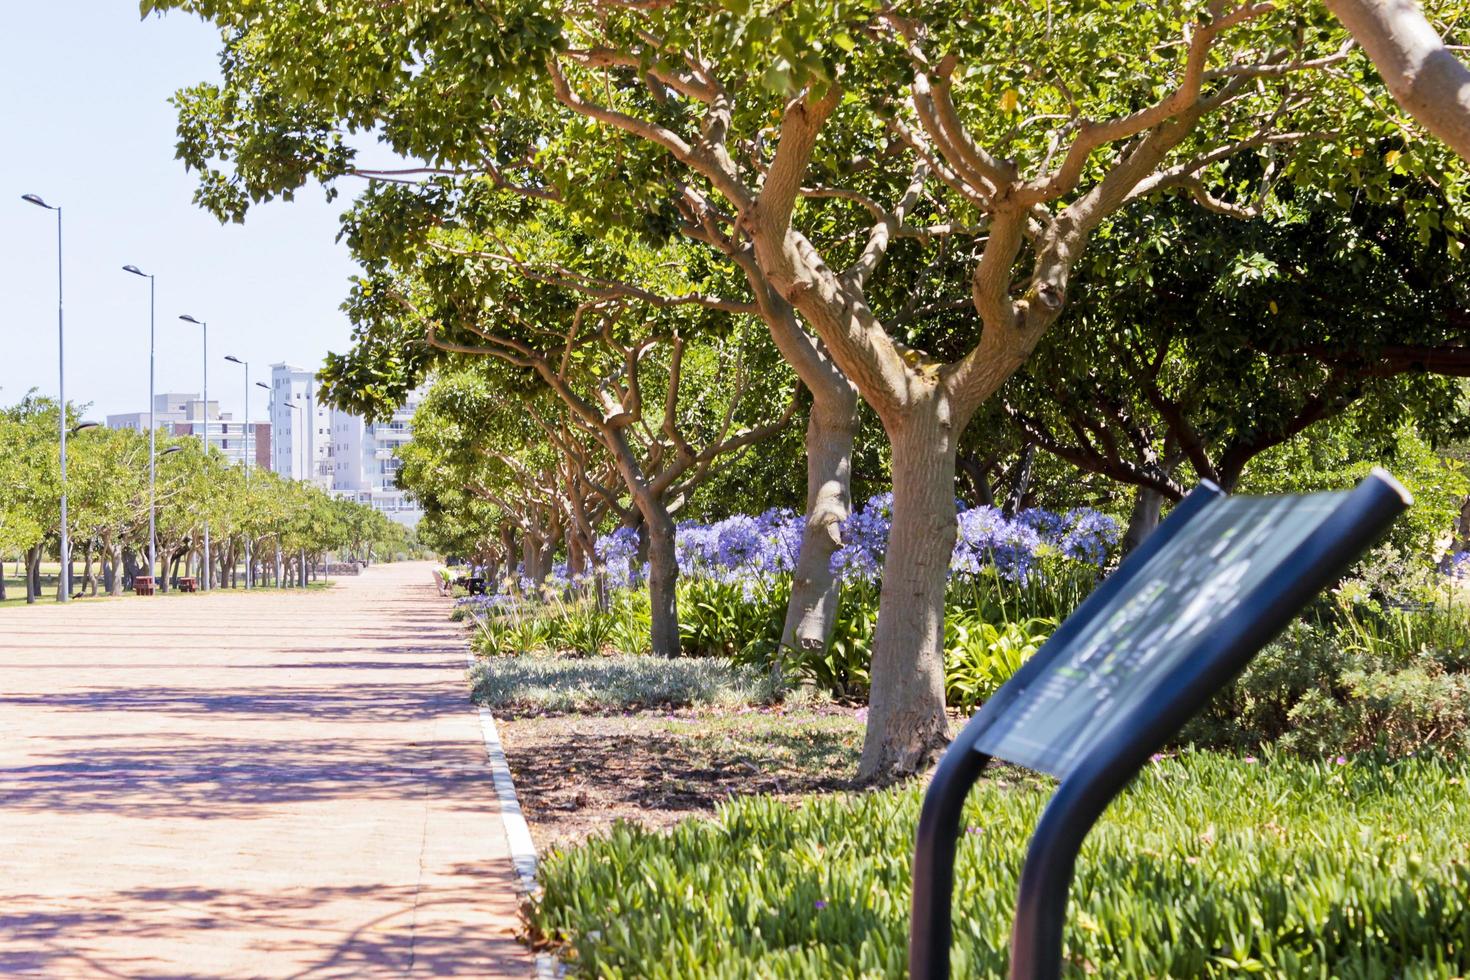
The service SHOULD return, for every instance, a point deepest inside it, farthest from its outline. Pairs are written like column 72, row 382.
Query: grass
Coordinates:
column 1209, row 866
column 547, row 683
column 15, row 586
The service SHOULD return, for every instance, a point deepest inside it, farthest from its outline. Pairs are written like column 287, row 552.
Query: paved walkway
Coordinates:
column 263, row 785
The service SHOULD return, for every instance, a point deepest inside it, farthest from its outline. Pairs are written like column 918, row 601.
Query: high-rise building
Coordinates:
column 302, row 425
column 184, row 414
column 364, row 462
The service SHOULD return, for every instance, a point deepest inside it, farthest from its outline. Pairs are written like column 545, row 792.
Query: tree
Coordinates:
column 658, row 371
column 1313, row 311
column 1420, row 68
column 846, row 144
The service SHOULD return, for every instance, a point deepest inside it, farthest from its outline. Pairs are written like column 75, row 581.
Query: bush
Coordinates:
column 1355, row 678
column 1207, row 867
column 543, row 684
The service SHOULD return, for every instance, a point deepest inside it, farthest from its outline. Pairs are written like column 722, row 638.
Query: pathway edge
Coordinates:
column 523, row 854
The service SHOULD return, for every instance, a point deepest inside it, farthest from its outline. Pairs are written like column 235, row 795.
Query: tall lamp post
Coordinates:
column 271, row 413
column 245, row 434
column 152, row 428
column 64, row 593
column 208, row 568
column 302, row 420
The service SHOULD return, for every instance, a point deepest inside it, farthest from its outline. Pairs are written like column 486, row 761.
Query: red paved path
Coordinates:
column 265, row 784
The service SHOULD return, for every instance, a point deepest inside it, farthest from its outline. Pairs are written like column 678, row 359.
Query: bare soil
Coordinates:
column 577, row 774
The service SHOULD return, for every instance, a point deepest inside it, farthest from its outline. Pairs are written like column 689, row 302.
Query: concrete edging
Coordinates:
column 517, row 832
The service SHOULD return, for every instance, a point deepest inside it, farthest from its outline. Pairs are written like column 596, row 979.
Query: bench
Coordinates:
column 188, row 583
column 142, row 584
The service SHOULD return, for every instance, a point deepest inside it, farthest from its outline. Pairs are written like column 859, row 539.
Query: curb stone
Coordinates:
column 517, row 832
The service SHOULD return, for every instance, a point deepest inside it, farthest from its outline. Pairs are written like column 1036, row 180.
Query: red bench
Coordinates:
column 188, row 583
column 143, row 584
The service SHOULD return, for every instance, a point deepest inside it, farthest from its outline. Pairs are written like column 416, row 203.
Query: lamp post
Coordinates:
column 302, row 419
column 245, row 434
column 271, row 413
column 64, row 593
column 208, row 568
column 152, row 428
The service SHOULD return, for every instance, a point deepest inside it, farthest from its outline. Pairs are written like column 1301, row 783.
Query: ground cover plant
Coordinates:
column 548, row 683
column 1210, row 865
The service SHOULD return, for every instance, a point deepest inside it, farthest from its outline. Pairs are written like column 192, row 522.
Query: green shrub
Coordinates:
column 727, row 619
column 1207, row 867
column 1356, row 678
column 538, row 683
column 979, row 657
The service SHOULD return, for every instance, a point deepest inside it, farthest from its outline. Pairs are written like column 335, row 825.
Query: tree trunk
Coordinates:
column 663, row 577
column 1148, row 505
column 1022, row 482
column 33, row 574
column 906, row 720
column 130, row 567
column 812, row 612
column 2, row 578
column 530, row 552
column 89, row 572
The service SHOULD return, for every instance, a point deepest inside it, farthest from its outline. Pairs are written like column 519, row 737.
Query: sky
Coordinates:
column 85, row 123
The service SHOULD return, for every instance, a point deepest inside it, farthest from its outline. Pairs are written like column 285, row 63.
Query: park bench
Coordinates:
column 473, row 584
column 1179, row 618
column 142, row 584
column 188, row 583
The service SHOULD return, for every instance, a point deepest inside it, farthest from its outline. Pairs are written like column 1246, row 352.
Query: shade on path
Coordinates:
column 268, row 784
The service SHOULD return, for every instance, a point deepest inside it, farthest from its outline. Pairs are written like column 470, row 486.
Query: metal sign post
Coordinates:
column 1179, row 618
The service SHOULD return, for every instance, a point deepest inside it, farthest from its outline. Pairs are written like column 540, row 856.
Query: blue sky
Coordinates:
column 85, row 123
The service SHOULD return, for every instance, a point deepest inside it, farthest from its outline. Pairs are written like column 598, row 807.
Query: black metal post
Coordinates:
column 934, row 852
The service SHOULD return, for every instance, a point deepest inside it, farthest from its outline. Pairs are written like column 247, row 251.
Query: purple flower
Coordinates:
column 1341, row 760
column 821, row 903
column 1251, row 760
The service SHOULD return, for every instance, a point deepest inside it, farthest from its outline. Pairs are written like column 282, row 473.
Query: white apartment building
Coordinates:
column 301, row 424
column 364, row 463
column 184, row 414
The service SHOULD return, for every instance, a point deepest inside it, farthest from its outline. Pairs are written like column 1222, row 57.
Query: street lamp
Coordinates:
column 271, row 412
column 64, row 593
column 245, row 434
column 152, row 453
column 302, row 420
column 208, row 568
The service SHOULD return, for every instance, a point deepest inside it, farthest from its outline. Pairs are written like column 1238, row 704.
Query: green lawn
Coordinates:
column 15, row 590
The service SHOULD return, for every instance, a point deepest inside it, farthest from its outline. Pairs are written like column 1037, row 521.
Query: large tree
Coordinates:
column 634, row 342
column 839, row 147
column 1219, row 340
column 1421, row 68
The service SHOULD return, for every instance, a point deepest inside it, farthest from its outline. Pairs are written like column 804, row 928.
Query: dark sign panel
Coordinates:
column 1120, row 658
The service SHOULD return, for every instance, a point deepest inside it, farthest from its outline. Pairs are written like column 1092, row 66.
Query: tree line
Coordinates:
column 1153, row 241
column 287, row 526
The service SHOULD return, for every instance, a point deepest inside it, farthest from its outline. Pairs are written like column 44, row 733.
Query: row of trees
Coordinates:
column 1154, row 240
column 286, row 525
